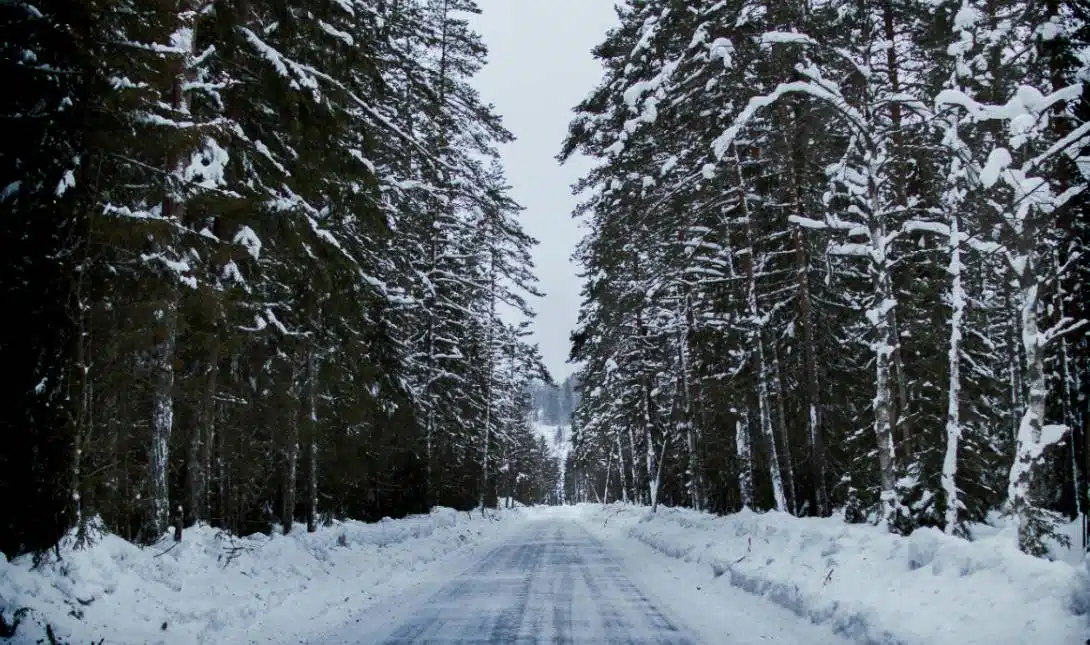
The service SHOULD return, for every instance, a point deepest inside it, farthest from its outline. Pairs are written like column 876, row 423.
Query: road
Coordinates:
column 552, row 583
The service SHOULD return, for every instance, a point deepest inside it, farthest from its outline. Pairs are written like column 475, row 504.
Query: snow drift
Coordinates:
column 214, row 588
column 868, row 585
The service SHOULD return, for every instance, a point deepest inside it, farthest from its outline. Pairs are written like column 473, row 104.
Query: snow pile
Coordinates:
column 870, row 586
column 214, row 588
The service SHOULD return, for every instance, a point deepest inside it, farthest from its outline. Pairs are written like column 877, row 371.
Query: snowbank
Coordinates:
column 212, row 588
column 870, row 586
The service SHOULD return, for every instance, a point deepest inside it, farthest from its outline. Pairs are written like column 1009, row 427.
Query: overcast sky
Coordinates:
column 539, row 68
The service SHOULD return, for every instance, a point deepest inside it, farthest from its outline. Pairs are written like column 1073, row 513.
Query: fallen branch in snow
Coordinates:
column 749, row 549
column 232, row 553
column 167, row 551
column 615, row 514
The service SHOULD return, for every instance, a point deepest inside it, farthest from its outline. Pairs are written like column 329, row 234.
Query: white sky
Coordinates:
column 539, row 68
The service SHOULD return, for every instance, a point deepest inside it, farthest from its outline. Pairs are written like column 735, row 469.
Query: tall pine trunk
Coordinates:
column 490, row 367
column 756, row 323
column 694, row 483
column 818, row 497
column 162, row 413
column 310, row 422
column 290, row 454
column 200, row 436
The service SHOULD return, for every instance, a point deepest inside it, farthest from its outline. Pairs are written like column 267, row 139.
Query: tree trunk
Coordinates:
column 1032, row 440
column 487, row 431
column 695, row 471
column 648, row 424
column 1014, row 359
column 745, row 461
column 290, row 453
column 620, row 470
column 756, row 323
column 162, row 414
column 814, row 434
column 953, row 397
column 786, row 464
column 900, row 412
column 774, row 473
column 609, row 469
column 199, row 436
column 311, row 420
column 80, row 383
column 166, row 311
column 884, row 345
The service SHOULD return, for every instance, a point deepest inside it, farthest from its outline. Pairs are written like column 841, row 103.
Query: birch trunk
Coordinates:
column 884, row 345
column 953, row 395
column 745, row 462
column 620, row 470
column 609, row 470
column 774, row 473
column 889, row 33
column 652, row 482
column 786, row 465
column 1032, row 438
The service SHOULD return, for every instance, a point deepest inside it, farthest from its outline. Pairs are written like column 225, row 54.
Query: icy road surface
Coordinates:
column 554, row 582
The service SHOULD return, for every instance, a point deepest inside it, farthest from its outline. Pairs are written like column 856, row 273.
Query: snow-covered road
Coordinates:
column 553, row 583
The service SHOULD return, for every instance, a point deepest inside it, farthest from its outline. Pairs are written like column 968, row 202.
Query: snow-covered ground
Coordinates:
column 555, row 583
column 739, row 580
column 867, row 585
column 211, row 588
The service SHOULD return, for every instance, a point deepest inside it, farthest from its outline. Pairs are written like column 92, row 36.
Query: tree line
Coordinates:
column 259, row 263
column 837, row 260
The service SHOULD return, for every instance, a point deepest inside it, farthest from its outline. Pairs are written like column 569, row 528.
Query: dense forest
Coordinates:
column 837, row 260
column 262, row 266
column 255, row 257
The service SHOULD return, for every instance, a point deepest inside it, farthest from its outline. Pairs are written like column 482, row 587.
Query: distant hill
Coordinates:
column 553, row 404
column 551, row 418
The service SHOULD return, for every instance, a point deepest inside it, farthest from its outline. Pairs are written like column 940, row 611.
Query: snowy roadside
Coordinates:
column 211, row 588
column 864, row 584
